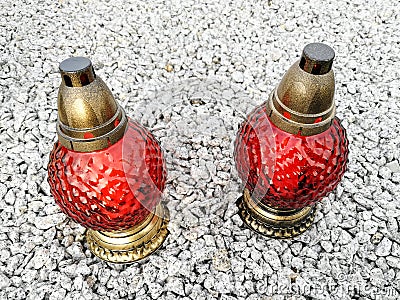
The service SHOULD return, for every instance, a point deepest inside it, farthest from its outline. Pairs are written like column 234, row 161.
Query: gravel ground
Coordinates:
column 190, row 71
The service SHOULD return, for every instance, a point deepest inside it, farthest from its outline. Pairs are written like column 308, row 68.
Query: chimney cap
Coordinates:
column 75, row 64
column 317, row 58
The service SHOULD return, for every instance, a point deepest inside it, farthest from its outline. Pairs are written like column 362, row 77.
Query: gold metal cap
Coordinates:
column 303, row 101
column 89, row 118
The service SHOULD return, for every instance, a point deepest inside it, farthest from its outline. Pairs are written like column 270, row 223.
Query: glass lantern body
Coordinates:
column 111, row 189
column 287, row 171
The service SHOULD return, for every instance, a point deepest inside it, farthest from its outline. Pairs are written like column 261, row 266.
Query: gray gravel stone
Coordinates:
column 237, row 76
column 394, row 166
column 221, row 261
column 4, row 281
column 384, row 247
column 47, row 222
column 75, row 250
column 40, row 258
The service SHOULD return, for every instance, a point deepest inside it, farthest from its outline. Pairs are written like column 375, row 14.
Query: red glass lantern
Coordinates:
column 106, row 171
column 292, row 151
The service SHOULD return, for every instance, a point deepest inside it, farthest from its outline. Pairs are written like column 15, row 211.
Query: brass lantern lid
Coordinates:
column 89, row 118
column 303, row 102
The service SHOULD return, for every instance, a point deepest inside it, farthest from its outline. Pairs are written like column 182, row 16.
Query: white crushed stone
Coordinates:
column 224, row 58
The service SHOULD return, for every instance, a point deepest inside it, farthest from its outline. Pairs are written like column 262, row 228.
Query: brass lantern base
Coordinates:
column 133, row 244
column 272, row 222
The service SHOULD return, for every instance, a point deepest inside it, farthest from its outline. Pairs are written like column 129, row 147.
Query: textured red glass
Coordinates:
column 112, row 189
column 289, row 171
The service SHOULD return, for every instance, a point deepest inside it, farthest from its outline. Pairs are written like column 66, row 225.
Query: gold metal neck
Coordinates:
column 303, row 101
column 89, row 118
